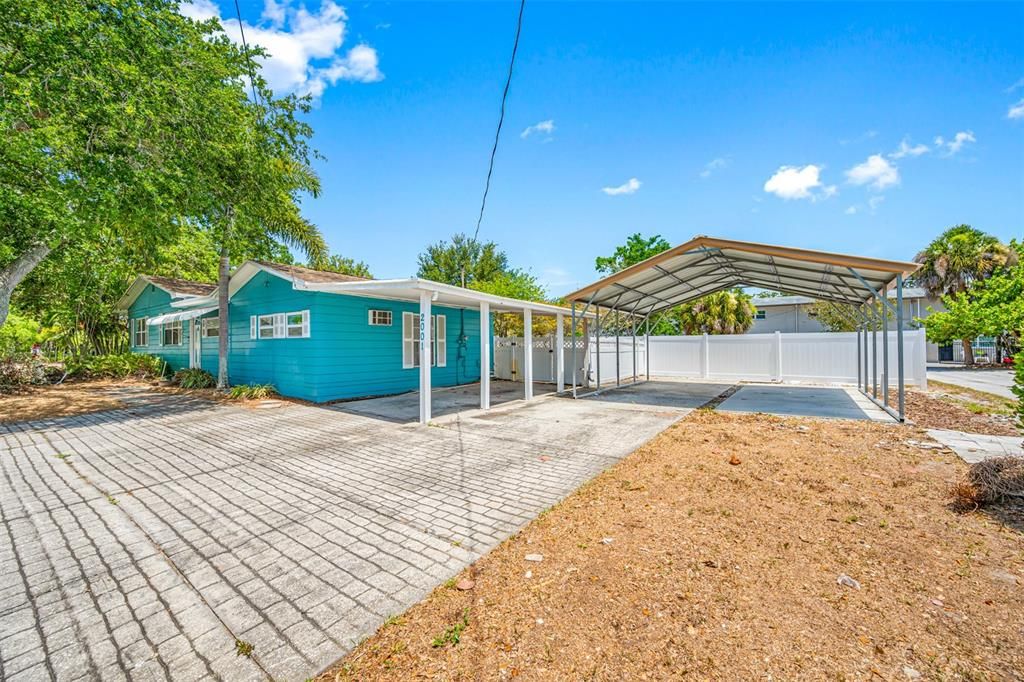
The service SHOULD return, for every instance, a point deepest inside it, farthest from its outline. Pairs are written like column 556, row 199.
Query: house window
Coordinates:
column 172, row 333
column 411, row 340
column 140, row 332
column 211, row 326
column 280, row 326
column 380, row 318
column 759, row 315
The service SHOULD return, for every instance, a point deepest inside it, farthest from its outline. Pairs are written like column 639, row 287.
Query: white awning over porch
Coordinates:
column 184, row 315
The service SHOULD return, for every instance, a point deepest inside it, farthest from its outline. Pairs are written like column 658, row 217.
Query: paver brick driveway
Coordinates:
column 142, row 543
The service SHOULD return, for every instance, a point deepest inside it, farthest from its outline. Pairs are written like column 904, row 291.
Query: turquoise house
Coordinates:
column 322, row 336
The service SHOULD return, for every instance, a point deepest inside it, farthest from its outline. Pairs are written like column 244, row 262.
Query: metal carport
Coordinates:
column 705, row 265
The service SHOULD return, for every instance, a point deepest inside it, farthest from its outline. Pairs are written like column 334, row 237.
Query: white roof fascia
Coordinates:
column 184, row 315
column 382, row 287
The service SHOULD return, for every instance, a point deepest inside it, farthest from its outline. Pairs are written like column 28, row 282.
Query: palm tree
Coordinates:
column 723, row 312
column 955, row 260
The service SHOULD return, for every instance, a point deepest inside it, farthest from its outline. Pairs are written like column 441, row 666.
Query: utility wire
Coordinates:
column 501, row 119
column 248, row 58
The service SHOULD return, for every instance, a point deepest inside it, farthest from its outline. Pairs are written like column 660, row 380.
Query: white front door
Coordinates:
column 195, row 344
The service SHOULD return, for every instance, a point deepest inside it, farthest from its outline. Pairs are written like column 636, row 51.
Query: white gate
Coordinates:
column 510, row 351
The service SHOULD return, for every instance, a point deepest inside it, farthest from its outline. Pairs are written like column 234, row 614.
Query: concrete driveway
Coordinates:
column 997, row 381
column 149, row 543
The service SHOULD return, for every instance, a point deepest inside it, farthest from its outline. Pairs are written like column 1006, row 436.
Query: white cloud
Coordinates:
column 793, row 182
column 957, row 143
column 1016, row 110
column 545, row 127
column 906, row 150
column 713, row 165
column 304, row 48
column 850, row 210
column 875, row 202
column 629, row 187
column 1018, row 84
column 876, row 172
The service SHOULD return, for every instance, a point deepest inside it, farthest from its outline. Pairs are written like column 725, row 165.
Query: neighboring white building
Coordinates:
column 790, row 314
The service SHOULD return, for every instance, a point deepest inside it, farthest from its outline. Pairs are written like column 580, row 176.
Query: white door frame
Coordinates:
column 195, row 344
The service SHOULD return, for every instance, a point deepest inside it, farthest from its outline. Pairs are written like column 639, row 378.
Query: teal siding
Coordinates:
column 344, row 356
column 150, row 303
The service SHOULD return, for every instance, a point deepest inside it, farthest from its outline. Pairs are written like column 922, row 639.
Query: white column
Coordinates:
column 425, row 337
column 705, row 357
column 778, row 356
column 560, row 352
column 527, row 354
column 485, row 356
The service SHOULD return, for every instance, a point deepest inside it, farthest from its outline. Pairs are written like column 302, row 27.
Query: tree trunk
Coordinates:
column 223, row 278
column 968, row 351
column 13, row 273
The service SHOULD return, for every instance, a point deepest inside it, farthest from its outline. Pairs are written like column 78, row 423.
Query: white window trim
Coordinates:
column 277, row 324
column 210, row 323
column 171, row 326
column 411, row 340
column 142, row 329
column 374, row 314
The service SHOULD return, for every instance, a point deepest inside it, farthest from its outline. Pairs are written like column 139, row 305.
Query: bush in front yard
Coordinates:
column 194, row 378
column 252, row 391
column 117, row 366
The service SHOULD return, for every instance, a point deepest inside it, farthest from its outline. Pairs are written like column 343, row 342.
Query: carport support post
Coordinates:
column 618, row 331
column 899, row 344
column 425, row 349
column 885, row 355
column 485, row 356
column 597, row 335
column 874, row 357
column 860, row 374
column 647, row 347
column 528, row 354
column 560, row 351
column 636, row 374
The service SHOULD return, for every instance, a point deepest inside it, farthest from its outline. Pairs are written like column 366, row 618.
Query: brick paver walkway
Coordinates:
column 144, row 543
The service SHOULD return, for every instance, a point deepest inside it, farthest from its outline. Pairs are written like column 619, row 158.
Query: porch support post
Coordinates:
column 426, row 334
column 572, row 338
column 899, row 346
column 560, row 352
column 885, row 354
column 597, row 335
column 647, row 347
column 485, row 356
column 618, row 332
column 528, row 354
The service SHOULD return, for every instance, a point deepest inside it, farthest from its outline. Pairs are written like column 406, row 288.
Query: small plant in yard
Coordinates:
column 454, row 633
column 1018, row 385
column 243, row 648
column 111, row 499
column 117, row 366
column 192, row 378
column 252, row 391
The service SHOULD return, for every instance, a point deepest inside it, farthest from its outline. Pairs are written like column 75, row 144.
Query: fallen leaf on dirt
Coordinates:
column 465, row 584
column 734, row 460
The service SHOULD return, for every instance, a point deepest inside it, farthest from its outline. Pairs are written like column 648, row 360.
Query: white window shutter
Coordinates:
column 408, row 330
column 252, row 327
column 305, row 323
column 441, row 334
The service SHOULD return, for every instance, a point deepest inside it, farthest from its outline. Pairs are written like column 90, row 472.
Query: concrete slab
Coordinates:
column 144, row 542
column 995, row 381
column 827, row 402
column 661, row 393
column 405, row 408
column 975, row 447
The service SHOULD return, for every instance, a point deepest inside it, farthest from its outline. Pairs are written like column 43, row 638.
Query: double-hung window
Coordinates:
column 140, row 332
column 411, row 340
column 211, row 326
column 380, row 318
column 280, row 326
column 172, row 333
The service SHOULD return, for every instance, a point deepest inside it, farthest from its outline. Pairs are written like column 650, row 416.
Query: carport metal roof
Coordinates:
column 705, row 265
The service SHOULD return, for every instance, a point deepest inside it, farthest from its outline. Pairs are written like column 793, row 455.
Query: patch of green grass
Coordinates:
column 252, row 392
column 111, row 499
column 453, row 634
column 62, row 455
column 397, row 621
column 243, row 648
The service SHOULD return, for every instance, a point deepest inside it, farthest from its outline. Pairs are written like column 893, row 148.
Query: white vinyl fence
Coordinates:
column 818, row 358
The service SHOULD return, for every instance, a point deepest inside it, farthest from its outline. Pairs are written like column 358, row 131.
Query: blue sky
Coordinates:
column 860, row 128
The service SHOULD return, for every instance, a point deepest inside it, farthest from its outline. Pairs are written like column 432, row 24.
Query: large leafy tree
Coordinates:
column 958, row 258
column 636, row 249
column 462, row 261
column 342, row 265
column 105, row 111
column 989, row 307
column 524, row 286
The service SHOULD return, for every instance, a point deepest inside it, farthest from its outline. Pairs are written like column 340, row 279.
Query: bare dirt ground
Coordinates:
column 717, row 551
column 945, row 406
column 61, row 400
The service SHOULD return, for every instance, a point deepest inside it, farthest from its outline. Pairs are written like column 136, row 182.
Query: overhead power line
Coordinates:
column 501, row 119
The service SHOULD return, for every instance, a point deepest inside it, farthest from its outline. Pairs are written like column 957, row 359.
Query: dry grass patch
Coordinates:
column 62, row 400
column 945, row 406
column 681, row 562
